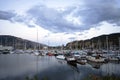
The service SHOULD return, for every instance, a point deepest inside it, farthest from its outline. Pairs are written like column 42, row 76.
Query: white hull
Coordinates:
column 82, row 61
column 94, row 59
column 60, row 57
column 36, row 53
column 113, row 59
column 70, row 59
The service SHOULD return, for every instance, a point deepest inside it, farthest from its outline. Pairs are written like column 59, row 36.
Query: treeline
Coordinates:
column 19, row 43
column 111, row 41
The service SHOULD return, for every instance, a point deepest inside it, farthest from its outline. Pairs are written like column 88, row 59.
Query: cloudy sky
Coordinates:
column 59, row 21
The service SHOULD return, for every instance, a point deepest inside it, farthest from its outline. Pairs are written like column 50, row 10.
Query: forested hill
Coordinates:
column 100, row 42
column 19, row 43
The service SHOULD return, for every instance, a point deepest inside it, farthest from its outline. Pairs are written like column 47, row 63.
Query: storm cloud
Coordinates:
column 90, row 14
column 14, row 17
column 52, row 19
column 97, row 11
column 6, row 15
column 71, row 19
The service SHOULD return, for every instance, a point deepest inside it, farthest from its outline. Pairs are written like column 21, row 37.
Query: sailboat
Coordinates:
column 69, row 57
column 96, row 56
column 36, row 52
column 60, row 56
column 5, row 49
column 111, row 55
column 118, row 55
column 79, row 56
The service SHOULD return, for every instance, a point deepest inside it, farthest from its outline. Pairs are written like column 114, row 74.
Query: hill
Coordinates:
column 100, row 42
column 19, row 43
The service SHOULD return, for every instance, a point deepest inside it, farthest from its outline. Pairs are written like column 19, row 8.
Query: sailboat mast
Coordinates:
column 25, row 45
column 107, row 43
column 99, row 44
column 119, row 45
column 13, row 43
column 1, row 41
column 71, row 45
column 37, row 39
column 76, row 45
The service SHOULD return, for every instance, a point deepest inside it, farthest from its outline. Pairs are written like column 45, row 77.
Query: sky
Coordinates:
column 58, row 22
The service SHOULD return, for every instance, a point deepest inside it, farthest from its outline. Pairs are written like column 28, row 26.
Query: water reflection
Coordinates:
column 73, row 66
column 95, row 65
column 18, row 66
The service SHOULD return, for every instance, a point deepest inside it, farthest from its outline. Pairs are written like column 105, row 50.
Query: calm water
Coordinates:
column 20, row 66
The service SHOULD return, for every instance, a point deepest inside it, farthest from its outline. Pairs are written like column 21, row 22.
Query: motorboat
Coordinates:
column 82, row 61
column 60, row 56
column 36, row 53
column 96, row 58
column 70, row 58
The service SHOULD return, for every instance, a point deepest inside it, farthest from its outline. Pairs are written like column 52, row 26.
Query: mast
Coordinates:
column 61, row 44
column 48, row 42
column 92, row 45
column 83, row 47
column 71, row 45
column 37, row 53
column 119, row 45
column 5, row 40
column 107, row 43
column 25, row 45
column 98, row 43
column 37, row 40
column 1, row 41
column 13, row 43
column 76, row 45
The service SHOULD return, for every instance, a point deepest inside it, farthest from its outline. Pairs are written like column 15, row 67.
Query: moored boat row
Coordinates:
column 83, row 57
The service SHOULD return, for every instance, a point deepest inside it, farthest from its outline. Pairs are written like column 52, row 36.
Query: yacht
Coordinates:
column 70, row 58
column 60, row 56
column 96, row 58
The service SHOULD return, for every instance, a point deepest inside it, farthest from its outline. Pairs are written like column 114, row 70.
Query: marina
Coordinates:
column 20, row 66
column 58, row 63
column 59, row 39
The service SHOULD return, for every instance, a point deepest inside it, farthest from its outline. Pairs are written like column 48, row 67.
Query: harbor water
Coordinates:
column 22, row 66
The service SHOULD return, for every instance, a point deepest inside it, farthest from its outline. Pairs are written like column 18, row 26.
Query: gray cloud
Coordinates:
column 52, row 19
column 24, row 19
column 4, row 15
column 80, row 34
column 72, row 38
column 96, row 11
column 91, row 14
column 32, row 26
column 14, row 17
